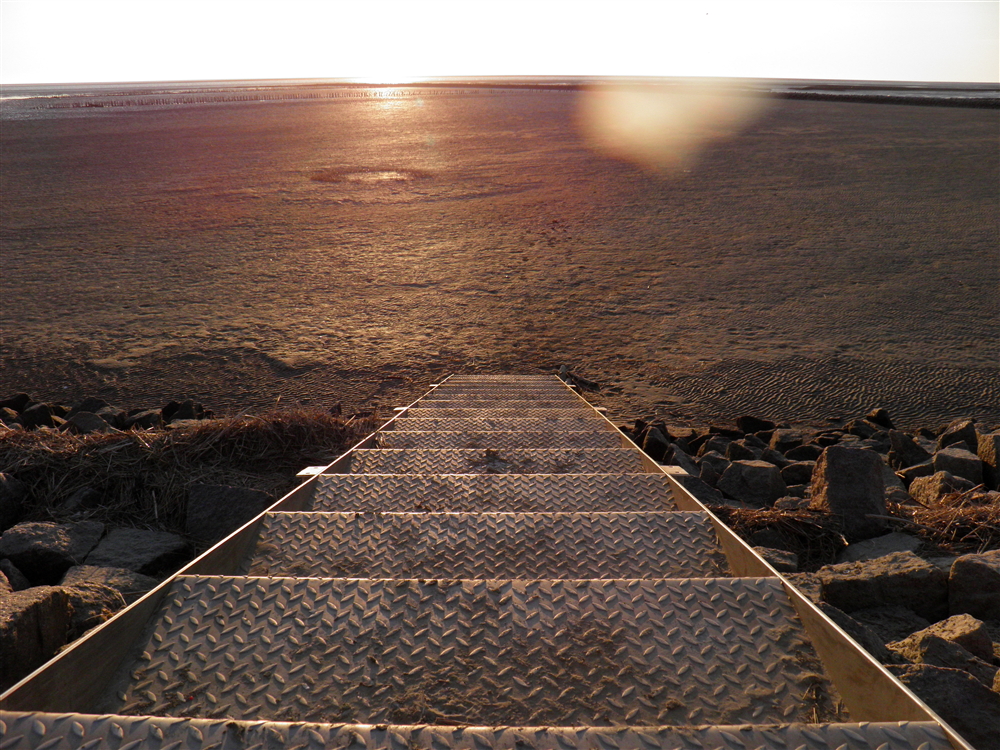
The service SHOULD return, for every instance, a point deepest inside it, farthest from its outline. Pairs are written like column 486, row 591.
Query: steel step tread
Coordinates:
column 492, row 492
column 492, row 411
column 499, row 652
column 529, row 392
column 490, row 461
column 66, row 731
column 497, row 439
column 569, row 404
column 487, row 545
column 505, row 424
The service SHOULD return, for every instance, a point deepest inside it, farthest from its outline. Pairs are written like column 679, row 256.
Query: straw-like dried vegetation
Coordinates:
column 141, row 478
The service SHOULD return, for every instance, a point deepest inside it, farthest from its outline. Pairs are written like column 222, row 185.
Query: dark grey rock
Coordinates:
column 755, row 443
column 214, row 511
column 879, row 546
column 748, row 424
column 739, row 450
column 37, row 415
column 783, row 440
column 712, row 466
column 799, row 472
column 809, row 452
column 965, row 630
column 17, row 580
column 13, row 493
column 89, row 404
column 924, row 648
column 989, row 454
column 702, row 492
column 779, row 559
column 960, row 462
column 128, row 583
column 880, row 417
column 915, row 472
column 904, row 451
column 655, row 444
column 974, row 585
column 898, row 578
column 959, row 431
column 184, row 410
column 930, row 490
column 92, row 604
column 808, row 584
column 146, row 419
column 792, row 502
column 717, row 443
column 18, row 403
column 861, row 428
column 774, row 457
column 86, row 423
column 958, row 698
column 677, row 457
column 148, row 552
column 890, row 622
column 34, row 624
column 44, row 551
column 756, row 483
column 861, row 633
column 847, row 482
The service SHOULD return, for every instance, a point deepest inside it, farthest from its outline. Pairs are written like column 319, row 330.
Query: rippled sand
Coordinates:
column 830, row 258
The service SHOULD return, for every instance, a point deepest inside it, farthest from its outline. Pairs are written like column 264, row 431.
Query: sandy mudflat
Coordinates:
column 833, row 257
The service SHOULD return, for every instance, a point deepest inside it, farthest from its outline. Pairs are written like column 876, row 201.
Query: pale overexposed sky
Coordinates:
column 63, row 41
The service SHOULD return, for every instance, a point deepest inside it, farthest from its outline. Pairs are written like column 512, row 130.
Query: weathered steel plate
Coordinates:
column 564, row 653
column 470, row 493
column 505, row 424
column 497, row 439
column 486, row 402
column 20, row 731
column 488, row 461
column 487, row 545
column 491, row 411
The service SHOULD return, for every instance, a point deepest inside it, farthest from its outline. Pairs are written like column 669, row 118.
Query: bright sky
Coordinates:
column 63, row 41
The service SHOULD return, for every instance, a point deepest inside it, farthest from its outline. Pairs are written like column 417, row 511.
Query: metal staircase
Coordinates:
column 497, row 567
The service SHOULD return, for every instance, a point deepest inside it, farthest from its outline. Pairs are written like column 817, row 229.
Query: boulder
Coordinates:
column 5, row 587
column 890, row 623
column 37, row 415
column 799, row 472
column 923, row 648
column 879, row 546
column 128, row 583
column 34, row 625
column 785, row 439
column 15, row 578
column 739, row 450
column 808, row 452
column 701, row 491
column 929, row 490
column 8, row 416
column 848, row 483
column 916, row 471
column 880, row 417
column 717, row 443
column 958, row 432
column 960, row 462
column 44, row 551
column 748, row 424
column 890, row 480
column 989, row 451
column 774, row 457
column 113, row 416
column 145, row 419
column 959, row 698
column 862, row 428
column 89, row 404
column 712, row 466
column 655, row 444
column 792, row 502
column 974, row 585
column 861, row 633
column 18, row 403
column 808, row 584
column 184, row 410
column 779, row 559
column 214, row 511
column 904, row 451
column 92, row 604
column 965, row 630
column 13, row 493
column 86, row 423
column 678, row 457
column 148, row 552
column 756, row 483
column 898, row 578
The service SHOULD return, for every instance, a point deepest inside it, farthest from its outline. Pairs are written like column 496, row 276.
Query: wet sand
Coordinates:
column 833, row 257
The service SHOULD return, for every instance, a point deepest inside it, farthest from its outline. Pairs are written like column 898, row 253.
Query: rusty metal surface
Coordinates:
column 678, row 652
column 24, row 731
column 504, row 424
column 493, row 411
column 488, row 403
column 470, row 493
column 487, row 545
column 488, row 461
column 496, row 439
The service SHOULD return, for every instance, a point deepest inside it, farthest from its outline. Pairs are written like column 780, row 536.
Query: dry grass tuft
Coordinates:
column 141, row 478
column 815, row 537
column 965, row 525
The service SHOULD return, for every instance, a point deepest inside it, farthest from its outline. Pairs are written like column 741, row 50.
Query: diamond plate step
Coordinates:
column 555, row 393
column 30, row 730
column 497, row 439
column 487, row 545
column 491, row 411
column 504, row 424
column 488, row 461
column 492, row 493
column 476, row 402
column 564, row 653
